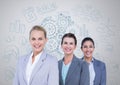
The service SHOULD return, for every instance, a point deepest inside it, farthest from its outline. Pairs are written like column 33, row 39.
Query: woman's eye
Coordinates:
column 40, row 39
column 85, row 47
column 65, row 42
column 33, row 38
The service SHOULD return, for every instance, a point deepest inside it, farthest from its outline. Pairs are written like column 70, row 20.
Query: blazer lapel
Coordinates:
column 71, row 68
column 97, row 71
column 60, row 71
column 25, row 61
column 38, row 65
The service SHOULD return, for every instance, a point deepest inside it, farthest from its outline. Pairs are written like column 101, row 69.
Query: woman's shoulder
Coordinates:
column 99, row 63
column 51, row 57
column 23, row 57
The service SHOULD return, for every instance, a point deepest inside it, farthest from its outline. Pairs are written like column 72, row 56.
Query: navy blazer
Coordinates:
column 77, row 74
column 100, row 72
column 44, row 73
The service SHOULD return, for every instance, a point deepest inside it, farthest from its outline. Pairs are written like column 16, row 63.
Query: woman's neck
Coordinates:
column 68, row 59
column 88, row 59
column 34, row 56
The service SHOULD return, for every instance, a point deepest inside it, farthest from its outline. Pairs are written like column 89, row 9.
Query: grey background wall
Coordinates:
column 99, row 19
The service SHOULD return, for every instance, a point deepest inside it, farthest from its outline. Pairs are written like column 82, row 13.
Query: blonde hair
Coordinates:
column 39, row 28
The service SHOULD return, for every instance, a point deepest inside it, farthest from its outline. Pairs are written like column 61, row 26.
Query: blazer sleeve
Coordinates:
column 53, row 78
column 103, row 79
column 16, row 78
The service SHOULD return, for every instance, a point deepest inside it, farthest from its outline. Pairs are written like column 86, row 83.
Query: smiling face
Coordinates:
column 88, row 48
column 37, row 41
column 68, row 45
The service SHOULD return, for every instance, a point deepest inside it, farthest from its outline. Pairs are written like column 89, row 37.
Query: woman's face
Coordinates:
column 37, row 41
column 68, row 45
column 88, row 49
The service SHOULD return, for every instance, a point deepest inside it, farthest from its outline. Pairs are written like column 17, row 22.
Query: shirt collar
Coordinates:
column 37, row 57
column 91, row 60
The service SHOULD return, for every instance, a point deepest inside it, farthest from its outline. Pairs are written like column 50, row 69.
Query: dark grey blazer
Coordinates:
column 77, row 74
column 100, row 72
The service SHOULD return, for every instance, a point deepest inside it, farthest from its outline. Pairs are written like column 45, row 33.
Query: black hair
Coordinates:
column 87, row 39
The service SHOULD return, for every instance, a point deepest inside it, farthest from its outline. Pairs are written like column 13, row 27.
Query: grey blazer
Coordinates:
column 100, row 72
column 45, row 72
column 77, row 74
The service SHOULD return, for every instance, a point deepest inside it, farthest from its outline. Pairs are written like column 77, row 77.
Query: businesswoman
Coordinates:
column 97, row 69
column 37, row 67
column 72, row 71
